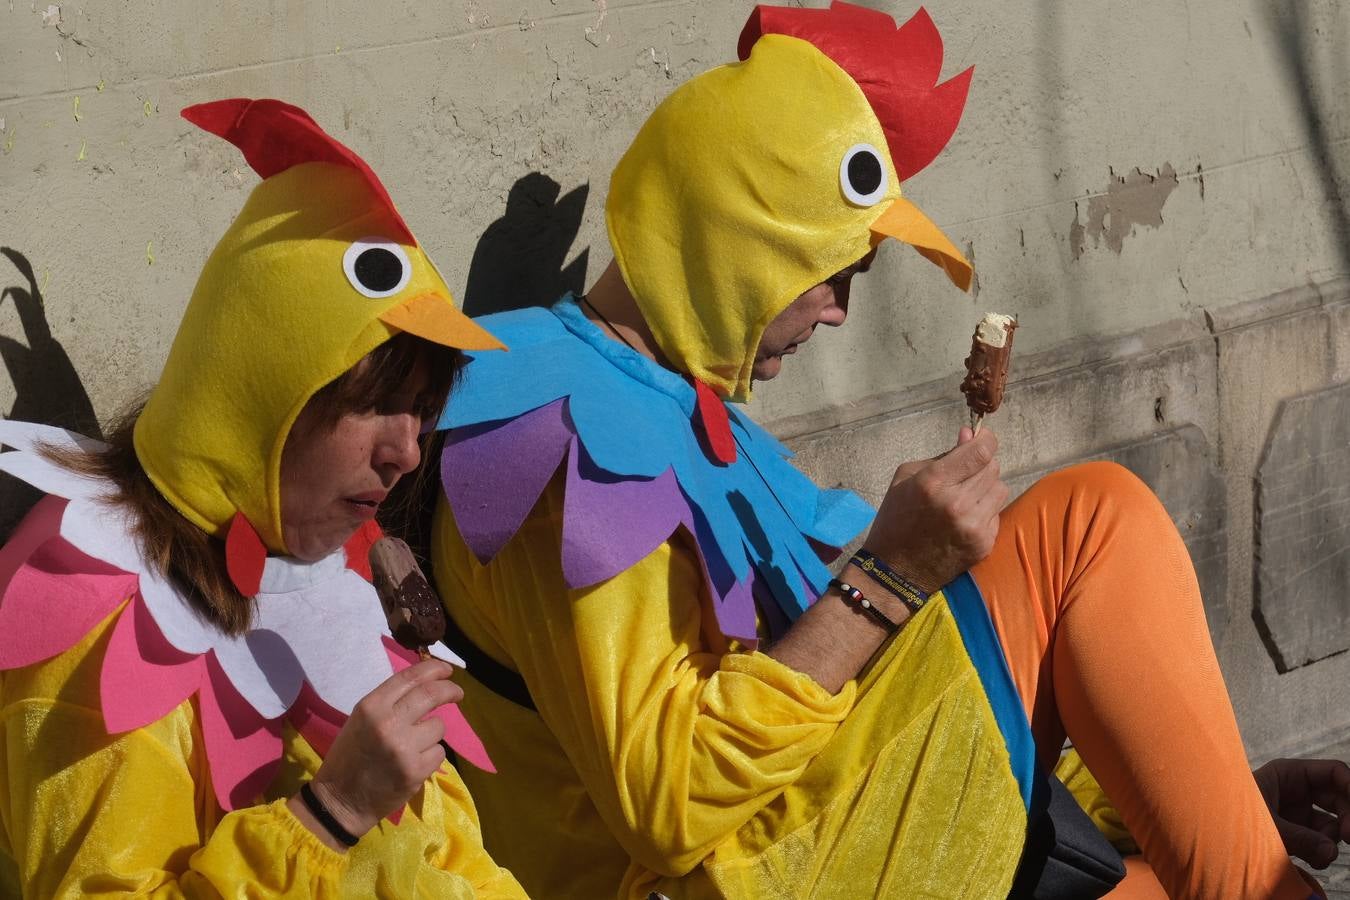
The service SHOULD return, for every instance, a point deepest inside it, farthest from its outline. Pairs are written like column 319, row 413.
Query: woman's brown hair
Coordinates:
column 193, row 560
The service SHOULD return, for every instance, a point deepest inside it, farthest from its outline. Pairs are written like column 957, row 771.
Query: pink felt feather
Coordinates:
column 242, row 748
column 144, row 678
column 317, row 722
column 54, row 595
column 42, row 523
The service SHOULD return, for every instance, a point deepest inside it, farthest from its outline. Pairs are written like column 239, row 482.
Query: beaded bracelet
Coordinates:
column 326, row 819
column 893, row 581
column 855, row 598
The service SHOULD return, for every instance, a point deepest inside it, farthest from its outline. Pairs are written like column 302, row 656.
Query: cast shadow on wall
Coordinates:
column 521, row 259
column 47, row 388
column 1294, row 23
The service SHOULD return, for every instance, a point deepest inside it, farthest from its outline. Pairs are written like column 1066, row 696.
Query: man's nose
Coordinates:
column 835, row 314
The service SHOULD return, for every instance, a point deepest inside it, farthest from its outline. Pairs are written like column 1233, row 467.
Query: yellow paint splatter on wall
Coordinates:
column 77, row 108
column 84, row 145
column 150, row 253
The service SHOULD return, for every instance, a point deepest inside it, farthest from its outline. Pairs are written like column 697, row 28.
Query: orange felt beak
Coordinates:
column 905, row 222
column 435, row 318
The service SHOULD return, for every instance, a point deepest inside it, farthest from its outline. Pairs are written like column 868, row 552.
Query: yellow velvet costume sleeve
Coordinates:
column 662, row 760
column 676, row 743
column 88, row 814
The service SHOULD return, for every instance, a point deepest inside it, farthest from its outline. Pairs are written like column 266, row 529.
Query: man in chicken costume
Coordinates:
column 678, row 698
column 149, row 748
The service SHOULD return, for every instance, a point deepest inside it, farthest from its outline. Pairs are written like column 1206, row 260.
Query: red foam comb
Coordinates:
column 897, row 69
column 275, row 136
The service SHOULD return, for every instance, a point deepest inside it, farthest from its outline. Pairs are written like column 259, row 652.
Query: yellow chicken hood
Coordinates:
column 317, row 270
column 755, row 181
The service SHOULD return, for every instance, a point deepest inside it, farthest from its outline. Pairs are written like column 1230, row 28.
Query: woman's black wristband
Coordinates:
column 326, row 819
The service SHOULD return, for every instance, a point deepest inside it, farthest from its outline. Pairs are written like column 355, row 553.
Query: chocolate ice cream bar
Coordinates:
column 416, row 618
column 987, row 365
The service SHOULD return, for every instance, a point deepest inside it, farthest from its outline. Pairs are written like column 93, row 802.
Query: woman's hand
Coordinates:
column 940, row 516
column 387, row 749
column 1310, row 802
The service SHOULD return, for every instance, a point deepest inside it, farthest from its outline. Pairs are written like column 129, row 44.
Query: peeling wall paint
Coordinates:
column 1137, row 199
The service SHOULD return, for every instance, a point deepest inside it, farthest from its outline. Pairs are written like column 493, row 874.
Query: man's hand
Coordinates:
column 1310, row 802
column 938, row 519
column 940, row 516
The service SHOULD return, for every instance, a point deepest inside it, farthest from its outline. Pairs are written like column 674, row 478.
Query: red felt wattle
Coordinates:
column 274, row 136
column 896, row 68
column 711, row 414
column 358, row 547
column 245, row 556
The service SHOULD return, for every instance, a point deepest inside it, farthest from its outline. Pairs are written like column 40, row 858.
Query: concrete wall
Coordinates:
column 1156, row 190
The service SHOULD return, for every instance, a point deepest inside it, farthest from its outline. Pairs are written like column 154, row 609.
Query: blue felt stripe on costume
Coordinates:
column 982, row 644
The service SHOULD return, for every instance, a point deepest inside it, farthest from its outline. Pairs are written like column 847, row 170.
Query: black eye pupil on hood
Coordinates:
column 864, row 172
column 378, row 269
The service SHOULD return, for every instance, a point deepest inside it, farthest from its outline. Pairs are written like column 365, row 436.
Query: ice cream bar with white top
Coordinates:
column 987, row 364
column 416, row 617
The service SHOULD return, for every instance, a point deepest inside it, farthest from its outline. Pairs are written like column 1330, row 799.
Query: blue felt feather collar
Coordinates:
column 636, row 471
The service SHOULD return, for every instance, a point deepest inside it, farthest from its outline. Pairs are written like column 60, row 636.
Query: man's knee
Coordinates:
column 1110, row 478
column 1101, row 483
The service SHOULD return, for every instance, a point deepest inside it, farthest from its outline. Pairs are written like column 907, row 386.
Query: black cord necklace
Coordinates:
column 610, row 325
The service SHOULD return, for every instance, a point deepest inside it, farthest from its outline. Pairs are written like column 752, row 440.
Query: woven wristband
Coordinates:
column 326, row 819
column 884, row 575
column 855, row 598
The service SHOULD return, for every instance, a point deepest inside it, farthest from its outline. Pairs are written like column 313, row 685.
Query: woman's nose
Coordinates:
column 398, row 447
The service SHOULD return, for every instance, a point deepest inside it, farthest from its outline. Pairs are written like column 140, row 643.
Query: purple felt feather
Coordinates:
column 736, row 612
column 493, row 478
column 611, row 524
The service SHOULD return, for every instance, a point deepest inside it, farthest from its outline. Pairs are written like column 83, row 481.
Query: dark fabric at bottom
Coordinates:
column 1066, row 857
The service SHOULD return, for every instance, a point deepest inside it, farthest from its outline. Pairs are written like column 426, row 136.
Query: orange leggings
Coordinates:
column 1096, row 603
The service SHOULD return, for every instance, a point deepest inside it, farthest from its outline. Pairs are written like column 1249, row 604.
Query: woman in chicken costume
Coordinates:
column 615, row 539
column 157, row 727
